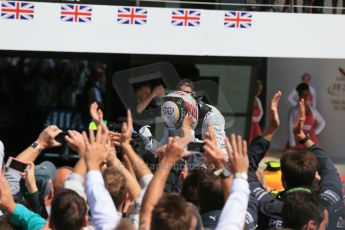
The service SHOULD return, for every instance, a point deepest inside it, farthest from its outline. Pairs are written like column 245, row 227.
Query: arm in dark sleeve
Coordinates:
column 256, row 152
column 36, row 204
column 258, row 192
column 252, row 213
column 330, row 188
column 260, row 201
column 327, row 171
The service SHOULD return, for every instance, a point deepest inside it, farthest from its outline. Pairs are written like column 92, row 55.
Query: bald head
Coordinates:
column 61, row 176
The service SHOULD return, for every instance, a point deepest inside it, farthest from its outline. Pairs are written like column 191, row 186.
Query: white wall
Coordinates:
column 285, row 74
column 271, row 34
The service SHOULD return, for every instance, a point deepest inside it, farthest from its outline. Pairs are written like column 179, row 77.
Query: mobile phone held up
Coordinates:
column 61, row 137
column 15, row 164
column 195, row 147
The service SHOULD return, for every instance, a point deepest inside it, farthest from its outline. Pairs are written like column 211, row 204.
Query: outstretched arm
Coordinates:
column 132, row 184
column 45, row 140
column 20, row 215
column 274, row 117
column 330, row 188
column 175, row 151
column 158, row 91
column 123, row 139
column 214, row 155
column 103, row 210
column 326, row 169
column 260, row 145
column 75, row 141
column 236, row 204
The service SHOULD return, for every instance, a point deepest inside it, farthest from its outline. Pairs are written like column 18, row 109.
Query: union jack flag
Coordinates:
column 132, row 15
column 17, row 10
column 76, row 13
column 185, row 17
column 238, row 19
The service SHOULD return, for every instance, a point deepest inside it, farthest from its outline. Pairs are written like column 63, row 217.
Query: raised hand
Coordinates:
column 29, row 177
column 95, row 112
column 127, row 129
column 123, row 138
column 160, row 152
column 95, row 147
column 76, row 142
column 46, row 137
column 175, row 149
column 115, row 138
column 274, row 116
column 213, row 154
column 238, row 159
column 299, row 122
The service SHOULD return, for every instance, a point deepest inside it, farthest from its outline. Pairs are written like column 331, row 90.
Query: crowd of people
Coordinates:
column 114, row 185
column 51, row 83
column 36, row 91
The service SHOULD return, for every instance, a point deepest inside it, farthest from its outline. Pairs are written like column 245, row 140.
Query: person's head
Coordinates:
column 69, row 211
column 176, row 105
column 303, row 91
column 125, row 224
column 210, row 188
column 115, row 183
column 196, row 222
column 190, row 184
column 258, row 88
column 306, row 78
column 298, row 169
column 45, row 172
column 304, row 210
column 186, row 85
column 61, row 176
column 143, row 92
column 171, row 212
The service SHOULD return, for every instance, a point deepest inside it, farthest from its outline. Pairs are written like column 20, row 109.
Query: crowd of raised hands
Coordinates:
column 126, row 193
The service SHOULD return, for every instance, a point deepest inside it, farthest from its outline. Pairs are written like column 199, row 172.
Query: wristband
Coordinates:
column 307, row 138
column 242, row 175
column 223, row 173
column 36, row 146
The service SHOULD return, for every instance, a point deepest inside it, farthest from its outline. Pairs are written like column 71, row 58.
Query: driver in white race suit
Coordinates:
column 176, row 105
